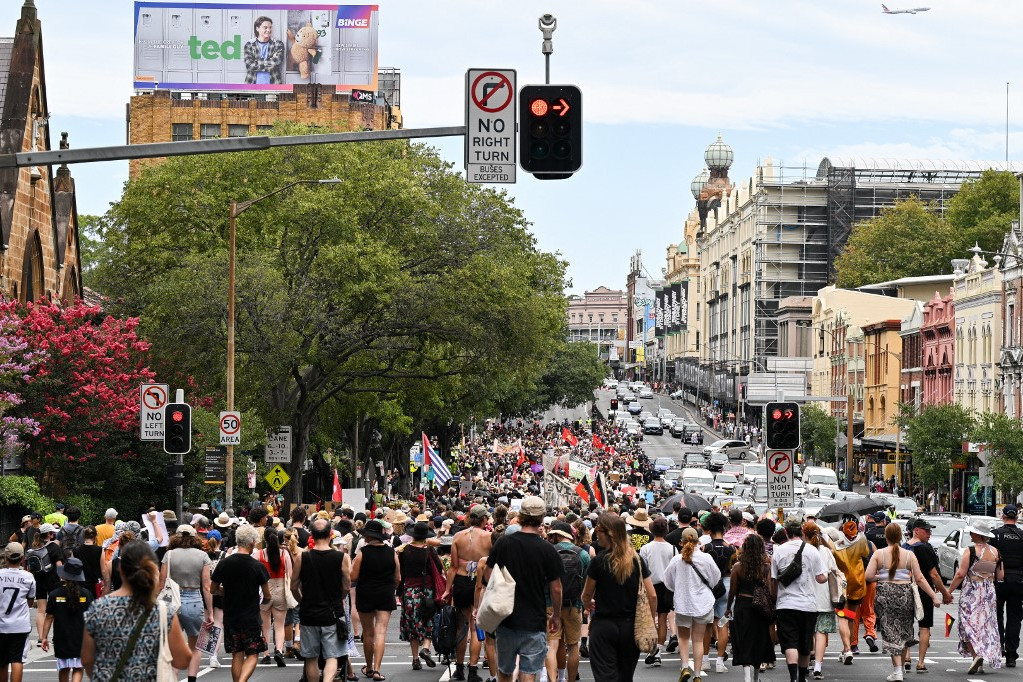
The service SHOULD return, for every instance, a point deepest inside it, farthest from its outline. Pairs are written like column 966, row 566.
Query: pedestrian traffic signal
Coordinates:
column 614, row 404
column 782, row 426
column 175, row 475
column 550, row 130
column 177, row 429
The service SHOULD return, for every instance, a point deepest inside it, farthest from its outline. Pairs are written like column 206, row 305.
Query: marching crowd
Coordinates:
column 499, row 584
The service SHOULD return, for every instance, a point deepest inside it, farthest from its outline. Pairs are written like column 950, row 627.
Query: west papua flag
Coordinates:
column 568, row 436
column 597, row 443
column 336, row 492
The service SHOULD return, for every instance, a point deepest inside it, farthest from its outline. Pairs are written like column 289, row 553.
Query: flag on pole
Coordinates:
column 583, row 490
column 441, row 473
column 948, row 624
column 336, row 492
column 597, row 443
column 600, row 491
column 568, row 436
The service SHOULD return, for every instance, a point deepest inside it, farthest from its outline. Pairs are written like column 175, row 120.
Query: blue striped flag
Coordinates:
column 441, row 473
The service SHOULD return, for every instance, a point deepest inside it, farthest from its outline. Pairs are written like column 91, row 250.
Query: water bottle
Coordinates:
column 480, row 635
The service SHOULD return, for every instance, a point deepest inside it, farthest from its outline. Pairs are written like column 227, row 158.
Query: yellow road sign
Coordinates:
column 277, row 478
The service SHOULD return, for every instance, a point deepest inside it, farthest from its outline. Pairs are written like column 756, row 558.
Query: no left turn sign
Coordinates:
column 230, row 428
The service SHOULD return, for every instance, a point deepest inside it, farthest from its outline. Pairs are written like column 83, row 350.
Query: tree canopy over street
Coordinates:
column 400, row 292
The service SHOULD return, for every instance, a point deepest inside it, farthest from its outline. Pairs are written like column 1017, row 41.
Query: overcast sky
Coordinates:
column 788, row 79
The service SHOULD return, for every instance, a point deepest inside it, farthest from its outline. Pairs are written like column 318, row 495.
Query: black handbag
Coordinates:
column 793, row 570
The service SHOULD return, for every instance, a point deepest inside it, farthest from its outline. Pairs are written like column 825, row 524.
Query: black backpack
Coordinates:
column 573, row 578
column 445, row 631
column 39, row 561
column 70, row 542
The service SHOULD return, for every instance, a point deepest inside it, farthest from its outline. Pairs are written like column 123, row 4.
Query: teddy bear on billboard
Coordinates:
column 303, row 48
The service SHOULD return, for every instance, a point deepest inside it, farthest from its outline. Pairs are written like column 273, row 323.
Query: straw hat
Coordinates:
column 640, row 518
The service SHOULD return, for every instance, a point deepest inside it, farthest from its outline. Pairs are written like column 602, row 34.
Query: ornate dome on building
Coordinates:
column 719, row 155
column 698, row 183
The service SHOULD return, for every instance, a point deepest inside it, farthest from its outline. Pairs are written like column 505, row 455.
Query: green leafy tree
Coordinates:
column 905, row 240
column 401, row 292
column 935, row 437
column 1003, row 439
column 980, row 213
column 817, row 433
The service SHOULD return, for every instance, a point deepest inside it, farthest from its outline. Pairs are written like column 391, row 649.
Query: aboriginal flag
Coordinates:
column 948, row 624
column 584, row 490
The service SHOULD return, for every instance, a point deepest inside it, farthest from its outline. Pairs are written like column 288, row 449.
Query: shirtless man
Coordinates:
column 467, row 548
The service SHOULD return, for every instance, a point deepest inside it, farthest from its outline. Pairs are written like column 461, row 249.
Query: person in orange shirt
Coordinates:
column 105, row 531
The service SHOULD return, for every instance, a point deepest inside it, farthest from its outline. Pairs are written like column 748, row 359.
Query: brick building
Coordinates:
column 938, row 345
column 38, row 214
column 1010, row 356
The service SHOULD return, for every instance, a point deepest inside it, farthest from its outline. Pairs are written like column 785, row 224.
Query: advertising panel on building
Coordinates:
column 254, row 47
column 682, row 294
column 659, row 300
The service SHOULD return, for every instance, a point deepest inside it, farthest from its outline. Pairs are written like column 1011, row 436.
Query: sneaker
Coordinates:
column 672, row 645
column 279, row 658
column 265, row 660
column 459, row 673
column 214, row 662
column 977, row 664
column 1010, row 661
column 685, row 675
column 872, row 643
column 855, row 650
column 818, row 674
column 847, row 657
column 895, row 676
column 474, row 675
column 656, row 662
column 427, row 657
column 719, row 667
column 650, row 659
column 906, row 666
column 584, row 651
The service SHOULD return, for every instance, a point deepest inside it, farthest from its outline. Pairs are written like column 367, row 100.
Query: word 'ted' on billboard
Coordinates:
column 254, row 47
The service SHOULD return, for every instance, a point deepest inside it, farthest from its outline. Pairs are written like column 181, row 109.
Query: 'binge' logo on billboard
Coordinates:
column 354, row 16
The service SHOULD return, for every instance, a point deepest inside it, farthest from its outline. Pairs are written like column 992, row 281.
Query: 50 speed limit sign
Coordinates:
column 231, row 428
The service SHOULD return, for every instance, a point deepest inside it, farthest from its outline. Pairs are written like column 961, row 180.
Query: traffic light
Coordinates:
column 614, row 404
column 175, row 475
column 177, row 429
column 551, row 130
column 782, row 426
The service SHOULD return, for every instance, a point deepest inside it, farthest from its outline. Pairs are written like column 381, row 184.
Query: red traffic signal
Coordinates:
column 177, row 415
column 551, row 130
column 782, row 426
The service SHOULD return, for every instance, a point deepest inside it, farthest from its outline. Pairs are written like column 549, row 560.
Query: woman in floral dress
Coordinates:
column 417, row 594
column 979, row 567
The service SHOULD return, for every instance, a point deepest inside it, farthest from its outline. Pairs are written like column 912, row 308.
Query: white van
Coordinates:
column 818, row 476
column 699, row 476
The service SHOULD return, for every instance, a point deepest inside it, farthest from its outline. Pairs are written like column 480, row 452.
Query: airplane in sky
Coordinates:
column 912, row 10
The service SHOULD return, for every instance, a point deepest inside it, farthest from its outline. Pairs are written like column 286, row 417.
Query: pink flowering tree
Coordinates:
column 16, row 365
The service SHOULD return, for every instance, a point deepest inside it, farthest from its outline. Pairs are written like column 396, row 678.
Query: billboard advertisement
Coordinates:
column 254, row 47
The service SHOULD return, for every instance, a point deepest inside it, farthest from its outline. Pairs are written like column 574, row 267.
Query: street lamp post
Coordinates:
column 237, row 208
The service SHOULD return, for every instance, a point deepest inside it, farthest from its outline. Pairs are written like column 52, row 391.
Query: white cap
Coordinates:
column 111, row 514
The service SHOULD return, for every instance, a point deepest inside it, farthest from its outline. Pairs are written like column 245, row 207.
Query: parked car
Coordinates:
column 751, row 470
column 644, row 415
column 905, row 507
column 732, row 468
column 677, row 427
column 693, row 435
column 826, row 491
column 819, row 476
column 696, row 476
column 666, row 416
column 670, row 479
column 646, row 393
column 635, row 408
column 725, row 482
column 735, row 449
column 653, row 426
column 944, row 525
column 695, row 459
column 951, row 550
column 717, row 460
column 676, row 395
column 813, row 505
column 702, row 489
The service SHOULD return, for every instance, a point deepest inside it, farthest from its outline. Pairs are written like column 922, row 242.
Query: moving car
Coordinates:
column 693, row 435
column 666, row 416
column 653, row 426
column 751, row 470
column 646, row 392
column 695, row 476
column 629, row 398
column 662, row 464
column 702, row 489
column 634, row 430
column 819, row 476
column 695, row 459
column 677, row 427
column 735, row 449
column 635, row 408
column 676, row 395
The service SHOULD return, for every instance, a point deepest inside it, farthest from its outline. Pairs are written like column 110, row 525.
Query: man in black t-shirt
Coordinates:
column 242, row 579
column 1008, row 541
column 534, row 564
column 920, row 545
column 723, row 553
column 298, row 518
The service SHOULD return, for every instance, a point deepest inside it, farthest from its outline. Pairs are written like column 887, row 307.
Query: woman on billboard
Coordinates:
column 264, row 56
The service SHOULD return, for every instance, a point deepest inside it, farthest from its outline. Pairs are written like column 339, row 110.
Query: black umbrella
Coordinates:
column 854, row 505
column 688, row 500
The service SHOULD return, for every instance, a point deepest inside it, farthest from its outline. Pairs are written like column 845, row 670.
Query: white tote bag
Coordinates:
column 164, row 660
column 498, row 601
column 171, row 592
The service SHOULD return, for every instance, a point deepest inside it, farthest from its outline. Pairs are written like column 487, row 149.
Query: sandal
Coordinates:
column 378, row 676
column 366, row 672
column 352, row 677
column 921, row 668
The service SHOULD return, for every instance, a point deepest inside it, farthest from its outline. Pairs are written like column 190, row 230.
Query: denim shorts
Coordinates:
column 321, row 640
column 292, row 617
column 191, row 612
column 529, row 647
column 720, row 606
